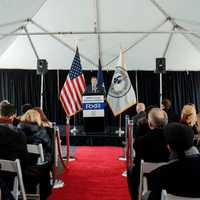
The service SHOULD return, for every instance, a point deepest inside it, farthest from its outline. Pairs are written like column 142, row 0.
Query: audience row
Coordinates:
column 159, row 136
column 32, row 127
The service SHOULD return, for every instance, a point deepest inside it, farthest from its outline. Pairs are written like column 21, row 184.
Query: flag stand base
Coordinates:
column 124, row 173
column 122, row 158
column 74, row 131
column 120, row 132
column 70, row 159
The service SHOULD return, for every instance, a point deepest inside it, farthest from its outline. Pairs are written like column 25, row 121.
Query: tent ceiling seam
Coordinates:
column 168, row 42
column 62, row 42
column 137, row 42
column 31, row 42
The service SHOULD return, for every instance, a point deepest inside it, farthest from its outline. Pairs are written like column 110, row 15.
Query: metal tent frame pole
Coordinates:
column 138, row 41
column 42, row 75
column 164, row 55
column 53, row 33
column 62, row 42
column 136, row 84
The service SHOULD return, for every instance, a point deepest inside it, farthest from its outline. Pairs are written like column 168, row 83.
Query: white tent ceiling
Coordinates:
column 135, row 17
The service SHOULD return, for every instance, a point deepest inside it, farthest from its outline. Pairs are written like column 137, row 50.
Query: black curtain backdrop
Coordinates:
column 23, row 86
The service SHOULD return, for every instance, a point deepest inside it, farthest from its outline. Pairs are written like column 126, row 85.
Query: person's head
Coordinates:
column 140, row 107
column 166, row 104
column 188, row 115
column 3, row 102
column 45, row 121
column 179, row 138
column 7, row 110
column 157, row 118
column 26, row 107
column 31, row 116
column 94, row 81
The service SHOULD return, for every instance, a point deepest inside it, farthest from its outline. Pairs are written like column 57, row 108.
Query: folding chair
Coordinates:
column 36, row 149
column 15, row 168
column 166, row 196
column 145, row 168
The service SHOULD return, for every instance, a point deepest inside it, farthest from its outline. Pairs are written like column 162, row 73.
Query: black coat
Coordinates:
column 180, row 177
column 13, row 144
column 37, row 135
column 152, row 146
column 99, row 89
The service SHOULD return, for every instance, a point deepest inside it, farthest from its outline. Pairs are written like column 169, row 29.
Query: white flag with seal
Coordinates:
column 121, row 94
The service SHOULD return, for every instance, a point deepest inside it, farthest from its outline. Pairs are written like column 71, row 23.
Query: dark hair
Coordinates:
column 179, row 137
column 167, row 103
column 26, row 107
column 7, row 110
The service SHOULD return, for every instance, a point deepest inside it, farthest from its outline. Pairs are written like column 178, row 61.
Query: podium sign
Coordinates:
column 93, row 113
column 93, row 106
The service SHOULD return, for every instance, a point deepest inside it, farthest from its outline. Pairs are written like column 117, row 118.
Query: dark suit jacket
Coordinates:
column 13, row 144
column 151, row 147
column 99, row 89
column 180, row 177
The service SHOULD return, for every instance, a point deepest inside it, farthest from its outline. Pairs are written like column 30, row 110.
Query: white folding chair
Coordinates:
column 36, row 149
column 15, row 167
column 145, row 168
column 166, row 196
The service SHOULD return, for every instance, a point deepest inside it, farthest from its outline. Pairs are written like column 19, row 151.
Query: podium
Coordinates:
column 93, row 112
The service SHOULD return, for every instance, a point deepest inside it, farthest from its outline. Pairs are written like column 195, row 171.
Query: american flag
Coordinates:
column 74, row 87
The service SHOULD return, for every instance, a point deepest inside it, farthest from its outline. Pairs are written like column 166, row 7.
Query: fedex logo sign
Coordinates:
column 93, row 106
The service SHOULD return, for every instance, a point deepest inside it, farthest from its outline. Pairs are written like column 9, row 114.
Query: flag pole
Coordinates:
column 120, row 131
column 74, row 130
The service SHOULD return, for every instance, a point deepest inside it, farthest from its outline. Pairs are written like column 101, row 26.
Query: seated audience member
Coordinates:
column 45, row 122
column 141, row 115
column 166, row 106
column 197, row 136
column 13, row 145
column 139, row 120
column 189, row 116
column 3, row 102
column 31, row 125
column 7, row 113
column 181, row 176
column 150, row 147
column 26, row 107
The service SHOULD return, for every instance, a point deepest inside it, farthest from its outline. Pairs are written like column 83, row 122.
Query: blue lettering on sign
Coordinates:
column 93, row 106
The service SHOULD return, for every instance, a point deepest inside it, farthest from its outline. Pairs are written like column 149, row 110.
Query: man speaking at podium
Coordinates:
column 94, row 88
column 93, row 107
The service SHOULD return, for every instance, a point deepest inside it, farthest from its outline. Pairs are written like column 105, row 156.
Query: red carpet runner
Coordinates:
column 95, row 175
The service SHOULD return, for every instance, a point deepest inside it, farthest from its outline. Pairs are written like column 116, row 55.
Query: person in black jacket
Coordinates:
column 13, row 145
column 181, row 176
column 94, row 88
column 150, row 147
column 31, row 125
column 166, row 105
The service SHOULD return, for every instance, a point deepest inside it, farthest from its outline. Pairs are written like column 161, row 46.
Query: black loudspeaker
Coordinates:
column 42, row 66
column 160, row 65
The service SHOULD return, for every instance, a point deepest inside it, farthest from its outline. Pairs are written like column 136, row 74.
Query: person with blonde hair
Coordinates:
column 44, row 119
column 189, row 115
column 31, row 125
